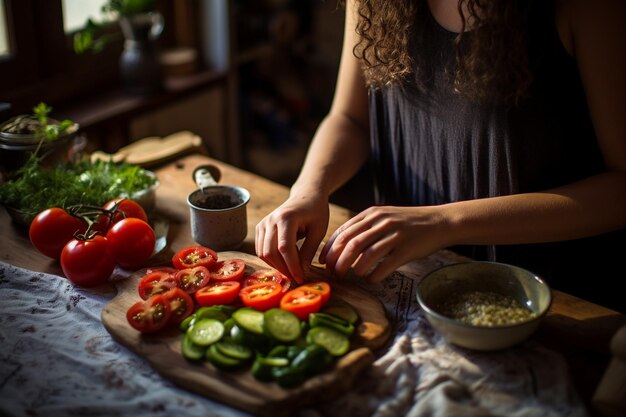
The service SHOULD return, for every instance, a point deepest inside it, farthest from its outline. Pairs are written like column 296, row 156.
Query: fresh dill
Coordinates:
column 36, row 187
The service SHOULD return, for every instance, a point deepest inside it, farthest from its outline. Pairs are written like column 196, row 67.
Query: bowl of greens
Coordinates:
column 35, row 187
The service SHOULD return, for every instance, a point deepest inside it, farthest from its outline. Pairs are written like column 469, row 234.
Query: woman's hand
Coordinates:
column 302, row 216
column 380, row 239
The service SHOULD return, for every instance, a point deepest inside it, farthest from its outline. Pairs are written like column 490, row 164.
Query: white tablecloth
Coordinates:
column 56, row 359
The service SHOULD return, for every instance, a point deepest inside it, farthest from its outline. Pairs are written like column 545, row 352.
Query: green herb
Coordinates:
column 39, row 125
column 36, row 188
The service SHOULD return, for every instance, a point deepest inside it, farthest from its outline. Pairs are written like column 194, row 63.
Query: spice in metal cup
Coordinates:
column 219, row 216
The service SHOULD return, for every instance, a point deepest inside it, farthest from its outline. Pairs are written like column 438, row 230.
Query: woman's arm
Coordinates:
column 595, row 33
column 339, row 148
column 379, row 240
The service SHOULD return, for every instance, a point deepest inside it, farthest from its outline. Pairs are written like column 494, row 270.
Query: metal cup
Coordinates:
column 218, row 212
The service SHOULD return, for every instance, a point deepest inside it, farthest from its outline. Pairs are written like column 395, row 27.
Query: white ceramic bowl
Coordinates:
column 147, row 198
column 524, row 286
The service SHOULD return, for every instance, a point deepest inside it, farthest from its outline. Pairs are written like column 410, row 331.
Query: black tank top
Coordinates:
column 434, row 147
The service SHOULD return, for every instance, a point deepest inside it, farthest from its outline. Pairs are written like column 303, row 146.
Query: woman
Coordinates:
column 495, row 128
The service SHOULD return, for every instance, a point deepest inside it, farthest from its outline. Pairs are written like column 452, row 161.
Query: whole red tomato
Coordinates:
column 89, row 262
column 51, row 229
column 132, row 241
column 120, row 208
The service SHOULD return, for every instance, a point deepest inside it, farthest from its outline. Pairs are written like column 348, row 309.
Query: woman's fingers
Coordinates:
column 340, row 230
column 287, row 232
column 349, row 244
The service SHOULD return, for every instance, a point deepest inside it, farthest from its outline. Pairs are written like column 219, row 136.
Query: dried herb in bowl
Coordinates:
column 35, row 187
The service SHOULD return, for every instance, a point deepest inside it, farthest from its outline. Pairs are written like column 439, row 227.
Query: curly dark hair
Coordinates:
column 492, row 65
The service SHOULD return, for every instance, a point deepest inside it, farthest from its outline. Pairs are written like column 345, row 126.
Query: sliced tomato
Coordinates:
column 301, row 302
column 167, row 269
column 192, row 279
column 193, row 256
column 262, row 276
column 220, row 292
column 320, row 287
column 181, row 304
column 227, row 270
column 150, row 315
column 261, row 297
column 156, row 282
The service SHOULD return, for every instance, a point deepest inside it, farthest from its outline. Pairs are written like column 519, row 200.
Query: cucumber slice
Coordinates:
column 186, row 323
column 279, row 351
column 343, row 311
column 287, row 376
column 213, row 312
column 255, row 341
column 262, row 368
column 205, row 332
column 312, row 360
column 228, row 325
column 322, row 319
column 249, row 319
column 336, row 343
column 282, row 325
column 220, row 360
column 190, row 350
column 234, row 350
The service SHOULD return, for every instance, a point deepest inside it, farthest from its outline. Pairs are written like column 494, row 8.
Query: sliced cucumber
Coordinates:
column 212, row 312
column 282, row 325
column 262, row 368
column 288, row 376
column 335, row 342
column 186, row 323
column 220, row 360
column 249, row 319
column 312, row 360
column 234, row 350
column 255, row 341
column 205, row 332
column 343, row 311
column 190, row 350
column 279, row 351
column 328, row 320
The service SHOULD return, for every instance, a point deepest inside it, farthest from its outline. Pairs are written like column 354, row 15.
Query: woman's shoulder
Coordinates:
column 581, row 17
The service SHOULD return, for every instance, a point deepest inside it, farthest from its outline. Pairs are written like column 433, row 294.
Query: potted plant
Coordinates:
column 141, row 25
column 36, row 133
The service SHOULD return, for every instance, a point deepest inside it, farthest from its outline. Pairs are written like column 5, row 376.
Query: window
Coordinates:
column 76, row 13
column 4, row 33
column 37, row 60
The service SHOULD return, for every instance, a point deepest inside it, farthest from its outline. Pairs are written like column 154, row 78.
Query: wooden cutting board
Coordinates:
column 240, row 389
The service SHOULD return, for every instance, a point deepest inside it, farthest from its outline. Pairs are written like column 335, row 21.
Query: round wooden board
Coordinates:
column 239, row 389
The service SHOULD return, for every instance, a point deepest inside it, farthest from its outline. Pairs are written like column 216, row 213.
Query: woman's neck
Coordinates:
column 446, row 13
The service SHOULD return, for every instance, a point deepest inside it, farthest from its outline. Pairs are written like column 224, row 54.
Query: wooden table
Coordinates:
column 579, row 330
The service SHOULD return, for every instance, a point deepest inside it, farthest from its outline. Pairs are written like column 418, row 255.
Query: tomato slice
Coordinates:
column 193, row 256
column 221, row 292
column 262, row 276
column 261, row 297
column 227, row 270
column 167, row 269
column 320, row 287
column 301, row 302
column 150, row 315
column 181, row 304
column 156, row 282
column 192, row 279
